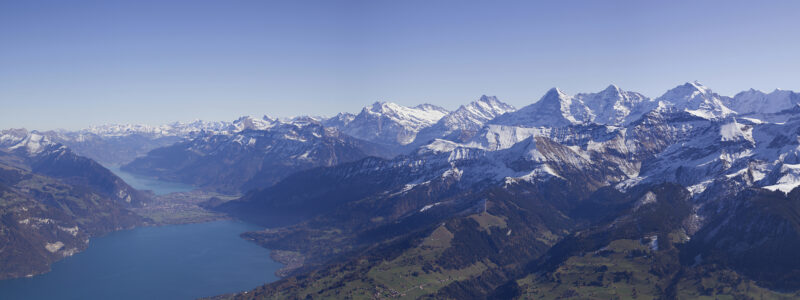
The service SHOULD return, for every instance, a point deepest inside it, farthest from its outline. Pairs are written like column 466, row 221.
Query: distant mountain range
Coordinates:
column 250, row 159
column 593, row 195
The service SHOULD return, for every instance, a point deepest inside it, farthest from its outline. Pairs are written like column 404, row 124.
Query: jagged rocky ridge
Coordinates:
column 236, row 163
column 392, row 124
column 493, row 202
column 557, row 179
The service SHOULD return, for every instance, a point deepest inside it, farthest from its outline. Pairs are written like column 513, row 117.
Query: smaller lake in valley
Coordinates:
column 167, row 262
column 159, row 187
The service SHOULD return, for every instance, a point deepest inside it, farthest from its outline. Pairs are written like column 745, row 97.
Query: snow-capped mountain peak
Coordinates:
column 464, row 122
column 476, row 113
column 555, row 95
column 391, row 123
column 31, row 142
column 251, row 123
column 417, row 117
column 613, row 87
column 492, row 103
column 10, row 137
column 755, row 101
column 555, row 109
column 339, row 121
column 696, row 99
column 611, row 106
column 612, row 91
column 689, row 91
column 171, row 129
column 616, row 106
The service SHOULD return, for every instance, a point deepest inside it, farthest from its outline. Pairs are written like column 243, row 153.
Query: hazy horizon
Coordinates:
column 72, row 65
column 260, row 115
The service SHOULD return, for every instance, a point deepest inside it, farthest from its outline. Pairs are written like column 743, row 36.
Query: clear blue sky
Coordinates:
column 70, row 64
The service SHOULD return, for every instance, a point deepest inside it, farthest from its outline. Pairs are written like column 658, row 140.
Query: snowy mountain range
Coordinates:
column 392, row 124
column 250, row 158
column 486, row 123
column 700, row 179
column 464, row 122
column 753, row 101
column 660, row 171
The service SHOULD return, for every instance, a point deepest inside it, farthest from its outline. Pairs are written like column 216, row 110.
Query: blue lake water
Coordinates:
column 159, row 187
column 167, row 262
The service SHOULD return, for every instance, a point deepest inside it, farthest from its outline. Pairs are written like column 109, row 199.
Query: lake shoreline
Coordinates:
column 229, row 239
column 174, row 208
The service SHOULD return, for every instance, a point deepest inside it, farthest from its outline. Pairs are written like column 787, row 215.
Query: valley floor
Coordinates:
column 183, row 208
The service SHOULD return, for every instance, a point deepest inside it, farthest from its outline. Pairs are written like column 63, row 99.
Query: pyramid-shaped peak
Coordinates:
column 488, row 99
column 554, row 95
column 686, row 90
column 697, row 86
column 612, row 88
column 383, row 107
column 697, row 99
column 377, row 105
column 556, row 90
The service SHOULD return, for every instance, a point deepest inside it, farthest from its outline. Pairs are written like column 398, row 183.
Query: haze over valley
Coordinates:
column 352, row 149
column 371, row 202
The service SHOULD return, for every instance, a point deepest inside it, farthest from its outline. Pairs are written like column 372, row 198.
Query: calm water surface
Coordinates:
column 168, row 262
column 158, row 187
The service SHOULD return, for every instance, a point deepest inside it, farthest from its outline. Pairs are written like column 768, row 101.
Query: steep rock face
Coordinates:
column 554, row 109
column 252, row 158
column 392, row 124
column 339, row 121
column 594, row 155
column 611, row 106
column 727, row 152
column 615, row 106
column 702, row 149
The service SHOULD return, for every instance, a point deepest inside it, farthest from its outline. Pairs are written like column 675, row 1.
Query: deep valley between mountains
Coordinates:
column 605, row 195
